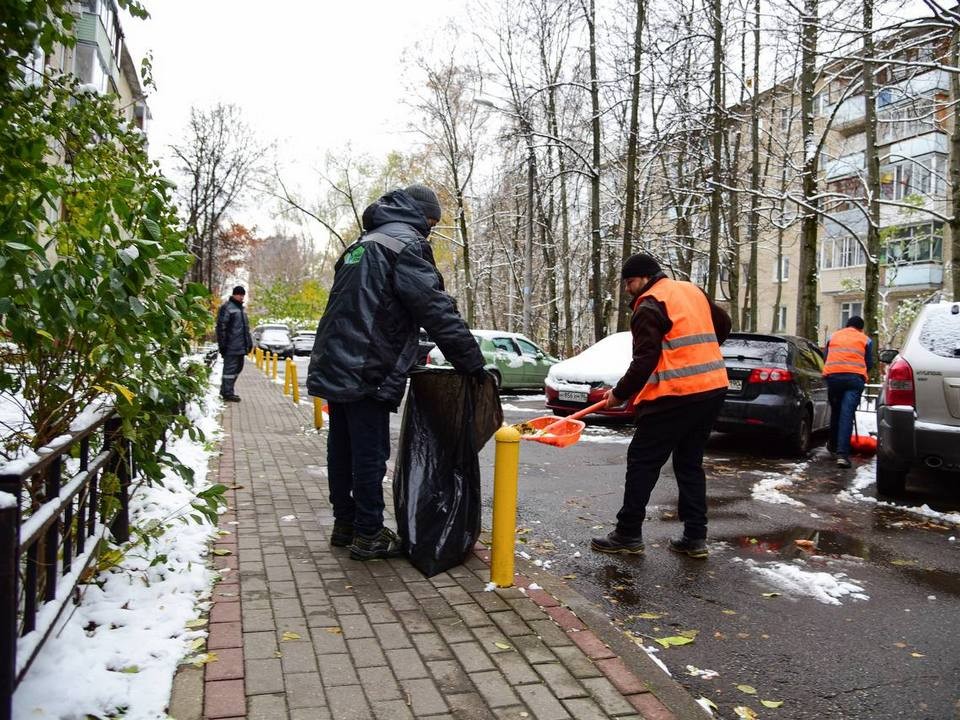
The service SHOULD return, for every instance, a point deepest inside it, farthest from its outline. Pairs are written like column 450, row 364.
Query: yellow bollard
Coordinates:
column 276, row 360
column 317, row 413
column 286, row 376
column 293, row 383
column 506, row 470
column 256, row 357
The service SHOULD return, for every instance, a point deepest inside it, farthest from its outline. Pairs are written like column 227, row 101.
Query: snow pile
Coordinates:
column 118, row 651
column 865, row 477
column 606, row 361
column 794, row 580
column 768, row 490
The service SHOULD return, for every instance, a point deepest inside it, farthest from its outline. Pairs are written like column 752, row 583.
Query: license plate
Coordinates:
column 736, row 385
column 571, row 396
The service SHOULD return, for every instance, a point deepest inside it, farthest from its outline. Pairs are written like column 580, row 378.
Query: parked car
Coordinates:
column 776, row 386
column 426, row 345
column 303, row 342
column 918, row 411
column 258, row 330
column 515, row 361
column 276, row 340
column 582, row 380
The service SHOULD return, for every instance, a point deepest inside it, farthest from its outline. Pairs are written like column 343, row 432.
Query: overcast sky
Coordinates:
column 312, row 76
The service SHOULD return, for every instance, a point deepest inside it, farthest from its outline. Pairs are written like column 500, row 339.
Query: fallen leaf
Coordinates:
column 771, row 703
column 903, row 562
column 502, row 645
column 771, row 595
column 201, row 660
column 729, row 612
column 649, row 616
column 277, row 654
column 900, row 645
column 916, row 654
column 130, row 669
column 288, row 635
column 805, row 544
column 222, row 551
column 689, row 633
column 673, row 640
column 748, row 689
column 336, row 630
column 709, row 702
column 621, row 588
column 198, row 643
column 197, row 623
column 571, row 576
column 745, row 713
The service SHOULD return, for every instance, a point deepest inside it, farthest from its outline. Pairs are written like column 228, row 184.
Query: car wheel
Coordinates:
column 800, row 439
column 891, row 479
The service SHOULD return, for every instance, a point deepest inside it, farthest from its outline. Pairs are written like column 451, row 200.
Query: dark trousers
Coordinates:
column 843, row 393
column 682, row 431
column 232, row 365
column 358, row 447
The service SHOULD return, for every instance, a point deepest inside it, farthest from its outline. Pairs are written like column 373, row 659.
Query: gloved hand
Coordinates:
column 480, row 374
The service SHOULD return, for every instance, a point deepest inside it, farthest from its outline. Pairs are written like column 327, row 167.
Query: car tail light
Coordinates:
column 768, row 375
column 900, row 389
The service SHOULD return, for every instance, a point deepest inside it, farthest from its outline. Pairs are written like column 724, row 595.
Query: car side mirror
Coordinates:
column 887, row 356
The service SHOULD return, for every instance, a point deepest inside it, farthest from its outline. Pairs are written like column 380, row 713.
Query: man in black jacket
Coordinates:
column 233, row 341
column 385, row 288
column 677, row 380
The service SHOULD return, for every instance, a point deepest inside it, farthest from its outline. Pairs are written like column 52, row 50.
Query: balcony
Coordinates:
column 850, row 116
column 920, row 275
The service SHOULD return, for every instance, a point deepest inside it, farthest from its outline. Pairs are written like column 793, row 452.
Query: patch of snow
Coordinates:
column 605, row 361
column 652, row 654
column 794, row 580
column 518, row 409
column 588, row 436
column 137, row 612
column 534, row 586
column 57, row 442
column 866, row 476
column 705, row 704
column 867, row 422
column 288, row 518
column 705, row 674
column 7, row 500
column 490, row 587
column 92, row 413
column 768, row 490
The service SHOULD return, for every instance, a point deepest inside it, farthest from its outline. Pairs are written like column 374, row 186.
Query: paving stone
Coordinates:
column 225, row 612
column 304, row 690
column 267, row 707
column 436, row 608
column 454, row 631
column 379, row 612
column 592, row 646
column 579, row 665
column 348, row 703
column 298, row 657
column 511, row 624
column 550, row 633
column 287, row 609
column 534, row 649
column 560, row 681
column 607, row 696
column 431, row 646
column 565, row 618
column 311, row 714
column 224, row 635
column 346, row 605
column 621, row 676
column 490, row 602
column 356, row 626
column 472, row 656
column 494, row 688
column 366, row 652
column 224, row 699
column 415, row 621
column 391, row 636
column 454, row 594
column 450, row 676
column 584, row 709
column 650, row 707
column 514, row 712
column 469, row 706
column 542, row 702
column 264, row 676
column 493, row 641
column 379, row 684
column 257, row 620
column 321, row 618
column 406, row 664
column 515, row 668
column 424, row 697
column 336, row 670
column 229, row 665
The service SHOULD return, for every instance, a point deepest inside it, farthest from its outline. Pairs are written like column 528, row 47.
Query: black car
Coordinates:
column 276, row 340
column 776, row 386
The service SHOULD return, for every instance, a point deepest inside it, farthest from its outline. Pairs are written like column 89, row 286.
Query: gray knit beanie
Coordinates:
column 426, row 199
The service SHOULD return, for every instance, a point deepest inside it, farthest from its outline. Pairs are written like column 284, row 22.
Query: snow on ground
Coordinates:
column 117, row 652
column 794, row 580
column 866, row 476
column 867, row 422
column 769, row 487
column 525, row 410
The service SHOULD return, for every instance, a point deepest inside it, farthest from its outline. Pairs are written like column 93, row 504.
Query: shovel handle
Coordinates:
column 575, row 416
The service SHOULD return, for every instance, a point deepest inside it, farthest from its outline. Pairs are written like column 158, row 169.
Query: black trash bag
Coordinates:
column 448, row 418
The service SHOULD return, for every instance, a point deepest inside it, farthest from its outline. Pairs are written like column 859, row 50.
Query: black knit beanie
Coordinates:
column 640, row 265
column 238, row 290
column 426, row 199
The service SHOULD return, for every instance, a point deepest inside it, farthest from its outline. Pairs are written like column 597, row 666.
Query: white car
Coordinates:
column 918, row 412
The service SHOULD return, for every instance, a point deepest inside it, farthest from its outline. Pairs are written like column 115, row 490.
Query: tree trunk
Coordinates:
column 717, row 137
column 871, row 309
column 465, row 239
column 807, row 272
column 955, row 173
column 630, row 200
column 753, row 228
column 598, row 291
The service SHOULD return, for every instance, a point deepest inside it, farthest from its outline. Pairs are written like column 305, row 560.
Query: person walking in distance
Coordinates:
column 677, row 382
column 385, row 288
column 233, row 341
column 849, row 359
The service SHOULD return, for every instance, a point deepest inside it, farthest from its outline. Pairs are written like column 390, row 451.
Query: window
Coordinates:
column 841, row 252
column 784, row 119
column 849, row 310
column 781, row 270
column 88, row 67
column 528, row 348
column 505, row 344
column 779, row 318
column 903, row 120
column 34, row 66
column 915, row 244
column 850, row 190
column 924, row 175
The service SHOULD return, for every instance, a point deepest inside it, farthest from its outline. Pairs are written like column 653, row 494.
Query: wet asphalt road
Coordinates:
column 893, row 655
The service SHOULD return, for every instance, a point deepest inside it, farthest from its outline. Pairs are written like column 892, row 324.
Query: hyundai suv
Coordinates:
column 918, row 412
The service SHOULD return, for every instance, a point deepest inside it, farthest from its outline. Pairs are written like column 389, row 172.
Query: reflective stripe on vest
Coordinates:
column 846, row 353
column 690, row 359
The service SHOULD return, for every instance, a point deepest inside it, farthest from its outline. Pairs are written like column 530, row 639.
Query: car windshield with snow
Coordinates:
column 583, row 380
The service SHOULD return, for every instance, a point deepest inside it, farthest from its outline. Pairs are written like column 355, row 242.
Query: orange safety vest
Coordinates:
column 847, row 352
column 690, row 358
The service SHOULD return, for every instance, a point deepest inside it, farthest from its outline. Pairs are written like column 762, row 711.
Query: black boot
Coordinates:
column 385, row 544
column 615, row 543
column 690, row 547
column 341, row 535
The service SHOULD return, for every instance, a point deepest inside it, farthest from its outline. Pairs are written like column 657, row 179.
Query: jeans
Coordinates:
column 358, row 447
column 843, row 393
column 682, row 431
column 232, row 365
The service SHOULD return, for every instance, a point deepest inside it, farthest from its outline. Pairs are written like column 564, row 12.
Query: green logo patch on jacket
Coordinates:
column 353, row 257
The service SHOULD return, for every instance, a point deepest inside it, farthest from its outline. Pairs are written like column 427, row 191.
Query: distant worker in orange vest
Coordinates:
column 849, row 354
column 677, row 381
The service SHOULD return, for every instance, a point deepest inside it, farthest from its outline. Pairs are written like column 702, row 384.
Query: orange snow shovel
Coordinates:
column 559, row 432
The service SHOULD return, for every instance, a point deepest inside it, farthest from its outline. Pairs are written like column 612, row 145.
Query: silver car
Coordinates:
column 918, row 412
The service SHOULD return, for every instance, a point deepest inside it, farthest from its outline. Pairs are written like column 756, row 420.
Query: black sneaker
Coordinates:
column 231, row 398
column 690, row 547
column 385, row 544
column 615, row 543
column 341, row 535
column 843, row 461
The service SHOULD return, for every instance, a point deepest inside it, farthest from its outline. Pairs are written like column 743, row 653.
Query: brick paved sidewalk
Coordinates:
column 301, row 631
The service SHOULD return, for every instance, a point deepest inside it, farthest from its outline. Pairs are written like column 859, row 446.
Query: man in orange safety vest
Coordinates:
column 677, row 381
column 849, row 354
